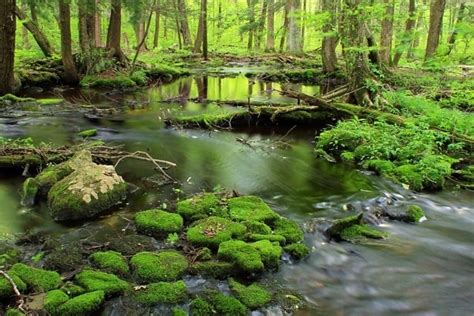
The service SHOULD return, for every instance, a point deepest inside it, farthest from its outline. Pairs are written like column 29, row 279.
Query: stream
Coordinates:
column 423, row 269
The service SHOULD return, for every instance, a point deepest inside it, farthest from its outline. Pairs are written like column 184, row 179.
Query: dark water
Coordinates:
column 424, row 269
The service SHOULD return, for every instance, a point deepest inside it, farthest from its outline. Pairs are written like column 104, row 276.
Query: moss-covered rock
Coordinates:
column 253, row 296
column 86, row 192
column 84, row 304
column 244, row 256
column 29, row 191
column 14, row 312
column 163, row 266
column 131, row 244
column 297, row 250
column 250, row 208
column 200, row 206
column 72, row 289
column 200, row 307
column 270, row 252
column 158, row 223
column 288, row 229
column 50, row 101
column 212, row 231
column 64, row 258
column 336, row 228
column 213, row 269
column 358, row 232
column 254, row 227
column 161, row 292
column 36, row 279
column 110, row 261
column 380, row 166
column 88, row 133
column 176, row 311
column 101, row 281
column 119, row 81
column 227, row 305
column 278, row 238
column 204, row 254
column 6, row 288
column 414, row 214
column 53, row 300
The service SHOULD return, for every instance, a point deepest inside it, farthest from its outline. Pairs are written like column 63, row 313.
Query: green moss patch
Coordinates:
column 110, row 261
column 46, row 102
column 227, row 305
column 250, row 208
column 158, row 223
column 53, row 300
column 84, row 304
column 163, row 266
column 414, row 213
column 213, row 269
column 245, row 257
column 161, row 292
column 278, row 238
column 213, row 115
column 88, row 133
column 357, row 232
column 212, row 231
column 270, row 252
column 97, row 280
column 200, row 307
column 288, row 229
column 253, row 296
column 254, row 227
column 6, row 289
column 36, row 279
column 200, row 206
column 297, row 251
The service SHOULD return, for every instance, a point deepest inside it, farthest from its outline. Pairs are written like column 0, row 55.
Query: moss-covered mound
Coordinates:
column 212, row 231
column 288, row 229
column 297, row 250
column 85, row 304
column 110, row 261
column 251, row 208
column 161, row 292
column 158, row 223
column 163, row 266
column 227, row 305
column 243, row 255
column 200, row 206
column 36, row 279
column 414, row 213
column 352, row 229
column 53, row 300
column 101, row 281
column 213, row 269
column 253, row 296
column 6, row 288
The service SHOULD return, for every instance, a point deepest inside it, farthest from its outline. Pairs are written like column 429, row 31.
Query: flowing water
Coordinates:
column 424, row 269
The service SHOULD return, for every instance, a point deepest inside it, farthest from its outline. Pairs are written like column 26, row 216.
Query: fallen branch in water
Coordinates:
column 19, row 298
column 141, row 155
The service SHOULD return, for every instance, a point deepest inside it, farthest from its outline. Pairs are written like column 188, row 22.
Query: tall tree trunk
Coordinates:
column 82, row 21
column 7, row 45
column 98, row 25
column 156, row 36
column 91, row 24
column 200, row 30
column 251, row 18
column 38, row 35
column 303, row 25
column 294, row 30
column 386, row 33
column 261, row 24
column 436, row 23
column 328, row 48
column 114, row 31
column 70, row 72
column 183, row 23
column 452, row 37
column 285, row 26
column 24, row 31
column 270, row 46
column 205, row 48
column 407, row 36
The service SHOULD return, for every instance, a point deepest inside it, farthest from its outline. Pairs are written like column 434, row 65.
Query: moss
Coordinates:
column 212, row 231
column 53, row 300
column 201, row 205
column 213, row 115
column 204, row 254
column 6, row 289
column 29, row 190
column 250, row 208
column 132, row 244
column 270, row 252
column 15, row 99
column 64, row 258
column 161, row 292
column 139, row 77
column 297, row 250
column 158, row 223
column 14, row 312
column 101, row 281
column 227, row 305
column 120, row 81
column 254, row 227
column 88, row 133
column 36, row 279
column 178, row 312
column 84, row 304
column 336, row 228
column 200, row 307
column 163, row 266
column 52, row 174
column 288, row 229
column 278, row 238
column 110, row 261
column 245, row 257
column 380, row 166
column 408, row 174
column 253, row 296
column 46, row 102
column 72, row 289
column 358, row 232
column 414, row 213
column 214, row 269
column 348, row 156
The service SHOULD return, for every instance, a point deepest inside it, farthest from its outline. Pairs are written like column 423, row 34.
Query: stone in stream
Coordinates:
column 352, row 229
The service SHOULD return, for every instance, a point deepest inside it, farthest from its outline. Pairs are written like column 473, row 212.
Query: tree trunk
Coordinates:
column 98, row 26
column 251, row 18
column 205, row 50
column 183, row 23
column 115, row 30
column 294, row 30
column 407, row 37
column 328, row 49
column 200, row 30
column 24, row 31
column 452, row 37
column 39, row 36
column 91, row 24
column 82, row 21
column 386, row 33
column 436, row 23
column 70, row 73
column 303, row 25
column 270, row 46
column 7, row 46
column 261, row 24
column 157, row 24
column 284, row 27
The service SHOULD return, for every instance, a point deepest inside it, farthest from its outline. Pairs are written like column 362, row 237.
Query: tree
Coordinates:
column 434, row 31
column 70, row 73
column 294, row 30
column 157, row 24
column 454, row 33
column 386, row 32
column 407, row 36
column 204, row 30
column 7, row 45
column 270, row 46
column 183, row 23
column 114, row 31
column 328, row 48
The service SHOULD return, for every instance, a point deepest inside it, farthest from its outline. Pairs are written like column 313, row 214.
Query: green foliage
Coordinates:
column 163, row 266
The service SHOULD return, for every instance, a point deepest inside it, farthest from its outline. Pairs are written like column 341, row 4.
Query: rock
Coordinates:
column 227, row 305
column 334, row 231
column 253, row 296
column 86, row 192
column 53, row 300
column 36, row 279
column 201, row 307
column 131, row 244
column 158, row 223
column 110, row 284
column 88, row 133
column 288, row 229
column 352, row 229
column 161, row 292
column 254, row 227
column 297, row 251
column 212, row 231
column 278, row 238
column 244, row 256
column 270, row 252
column 84, row 304
column 251, row 208
column 163, row 266
column 213, row 269
column 65, row 258
column 6, row 289
column 414, row 214
column 200, row 206
column 110, row 261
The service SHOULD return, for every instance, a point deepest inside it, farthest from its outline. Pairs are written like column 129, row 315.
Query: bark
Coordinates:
column 452, row 37
column 261, row 24
column 183, row 23
column 251, row 18
column 270, row 46
column 408, row 34
column 157, row 24
column 38, row 35
column 199, row 35
column 115, row 30
column 328, row 48
column 7, row 45
column 205, row 53
column 82, row 21
column 294, row 30
column 386, row 33
column 98, row 26
column 436, row 23
column 70, row 73
column 144, row 36
column 303, row 25
column 284, row 27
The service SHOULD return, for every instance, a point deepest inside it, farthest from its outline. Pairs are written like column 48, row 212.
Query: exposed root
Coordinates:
column 20, row 302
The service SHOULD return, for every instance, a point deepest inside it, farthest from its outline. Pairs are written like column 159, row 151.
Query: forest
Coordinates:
column 257, row 157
